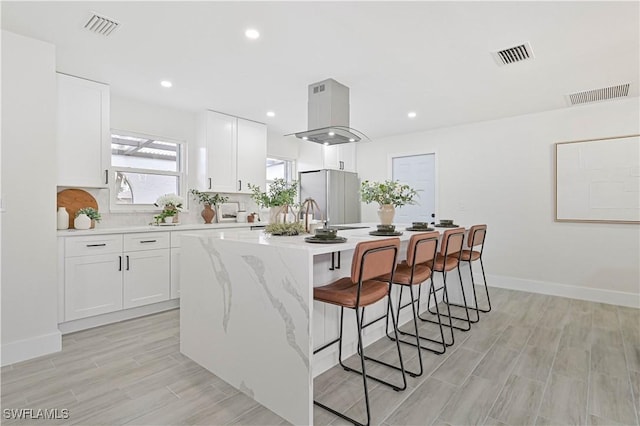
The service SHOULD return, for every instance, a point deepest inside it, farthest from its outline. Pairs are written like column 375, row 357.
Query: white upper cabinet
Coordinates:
column 310, row 156
column 252, row 155
column 232, row 153
column 83, row 132
column 340, row 157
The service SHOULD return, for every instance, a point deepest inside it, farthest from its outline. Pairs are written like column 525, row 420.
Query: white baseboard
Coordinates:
column 112, row 317
column 611, row 297
column 23, row 350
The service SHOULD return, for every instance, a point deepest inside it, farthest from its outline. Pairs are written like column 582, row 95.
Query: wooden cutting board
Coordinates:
column 74, row 200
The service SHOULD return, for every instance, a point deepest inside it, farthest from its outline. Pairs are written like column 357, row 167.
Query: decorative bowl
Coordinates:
column 446, row 221
column 325, row 233
column 386, row 228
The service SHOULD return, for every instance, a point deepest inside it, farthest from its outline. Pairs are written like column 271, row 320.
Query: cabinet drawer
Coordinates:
column 86, row 246
column 146, row 241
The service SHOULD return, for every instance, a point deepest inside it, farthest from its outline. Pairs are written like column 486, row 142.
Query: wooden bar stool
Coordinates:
column 446, row 261
column 414, row 271
column 371, row 260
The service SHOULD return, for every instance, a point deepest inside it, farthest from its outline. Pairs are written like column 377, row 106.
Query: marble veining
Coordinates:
column 223, row 279
column 258, row 267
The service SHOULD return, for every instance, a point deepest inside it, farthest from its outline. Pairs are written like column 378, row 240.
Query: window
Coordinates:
column 143, row 168
column 279, row 168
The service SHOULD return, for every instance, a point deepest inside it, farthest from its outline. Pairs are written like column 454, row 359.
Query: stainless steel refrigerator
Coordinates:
column 337, row 193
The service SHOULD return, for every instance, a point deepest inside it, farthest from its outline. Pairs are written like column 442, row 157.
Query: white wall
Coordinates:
column 501, row 173
column 280, row 146
column 29, row 102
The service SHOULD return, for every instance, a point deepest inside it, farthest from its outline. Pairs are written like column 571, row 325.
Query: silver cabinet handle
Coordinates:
column 148, row 241
column 106, row 176
column 96, row 245
column 209, row 183
column 127, row 262
column 119, row 263
column 239, row 184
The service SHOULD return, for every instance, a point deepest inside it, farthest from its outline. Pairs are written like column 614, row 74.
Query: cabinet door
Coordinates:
column 93, row 285
column 252, row 155
column 83, row 135
column 175, row 272
column 146, row 277
column 310, row 156
column 221, row 138
column 340, row 157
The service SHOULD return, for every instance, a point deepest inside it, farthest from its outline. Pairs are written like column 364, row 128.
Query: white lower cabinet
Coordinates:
column 175, row 272
column 93, row 285
column 107, row 273
column 146, row 277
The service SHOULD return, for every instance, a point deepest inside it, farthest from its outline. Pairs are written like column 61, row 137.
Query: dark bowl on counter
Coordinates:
column 446, row 221
column 325, row 233
column 386, row 228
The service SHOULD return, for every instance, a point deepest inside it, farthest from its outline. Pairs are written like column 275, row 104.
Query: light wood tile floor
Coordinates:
column 535, row 359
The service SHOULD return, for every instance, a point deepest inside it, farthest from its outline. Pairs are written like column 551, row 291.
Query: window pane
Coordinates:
column 144, row 188
column 144, row 153
column 279, row 169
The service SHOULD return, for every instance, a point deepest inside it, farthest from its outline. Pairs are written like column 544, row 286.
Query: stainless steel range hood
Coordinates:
column 328, row 115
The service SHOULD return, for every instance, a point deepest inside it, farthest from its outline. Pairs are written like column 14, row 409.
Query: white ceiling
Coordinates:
column 429, row 57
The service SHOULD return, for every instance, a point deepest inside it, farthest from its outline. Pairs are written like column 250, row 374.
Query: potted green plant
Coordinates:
column 170, row 202
column 389, row 195
column 92, row 216
column 277, row 198
column 208, row 200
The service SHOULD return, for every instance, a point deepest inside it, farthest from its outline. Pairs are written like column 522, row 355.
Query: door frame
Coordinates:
column 434, row 152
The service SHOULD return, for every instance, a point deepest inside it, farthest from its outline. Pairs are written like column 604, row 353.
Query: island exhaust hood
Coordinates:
column 328, row 115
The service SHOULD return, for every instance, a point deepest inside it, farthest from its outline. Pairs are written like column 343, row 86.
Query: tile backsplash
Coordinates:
column 124, row 219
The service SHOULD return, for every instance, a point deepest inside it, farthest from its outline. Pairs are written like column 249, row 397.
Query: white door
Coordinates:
column 417, row 171
column 146, row 277
column 92, row 285
column 252, row 155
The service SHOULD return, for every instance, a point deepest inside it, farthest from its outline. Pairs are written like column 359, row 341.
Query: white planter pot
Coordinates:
column 63, row 218
column 82, row 221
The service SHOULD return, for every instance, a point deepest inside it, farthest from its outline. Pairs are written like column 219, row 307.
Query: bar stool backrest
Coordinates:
column 422, row 247
column 452, row 240
column 476, row 235
column 373, row 259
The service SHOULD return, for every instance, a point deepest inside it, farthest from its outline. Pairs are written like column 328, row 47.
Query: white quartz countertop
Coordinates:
column 151, row 228
column 353, row 236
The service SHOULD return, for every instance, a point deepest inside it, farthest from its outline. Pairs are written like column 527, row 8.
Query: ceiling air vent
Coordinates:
column 101, row 24
column 597, row 95
column 514, row 54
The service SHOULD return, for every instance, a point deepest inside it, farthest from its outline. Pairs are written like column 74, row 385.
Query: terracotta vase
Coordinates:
column 386, row 212
column 208, row 213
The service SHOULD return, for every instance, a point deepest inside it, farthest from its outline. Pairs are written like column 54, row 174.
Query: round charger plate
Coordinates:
column 325, row 240
column 419, row 229
column 385, row 234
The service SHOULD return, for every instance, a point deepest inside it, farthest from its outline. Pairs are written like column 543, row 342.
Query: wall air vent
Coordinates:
column 597, row 95
column 101, row 25
column 514, row 54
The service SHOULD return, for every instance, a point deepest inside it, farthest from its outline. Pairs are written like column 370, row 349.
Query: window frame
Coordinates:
column 292, row 161
column 181, row 174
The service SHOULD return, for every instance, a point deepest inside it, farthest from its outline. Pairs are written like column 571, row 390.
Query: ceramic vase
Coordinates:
column 208, row 213
column 275, row 214
column 386, row 212
column 82, row 221
column 63, row 218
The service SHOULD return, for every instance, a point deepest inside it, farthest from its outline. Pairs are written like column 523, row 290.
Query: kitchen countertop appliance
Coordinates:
column 337, row 193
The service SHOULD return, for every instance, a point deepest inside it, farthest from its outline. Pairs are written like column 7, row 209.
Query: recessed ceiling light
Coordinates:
column 332, row 133
column 252, row 33
column 326, row 144
column 166, row 83
column 304, row 138
column 271, row 114
column 412, row 114
column 352, row 140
